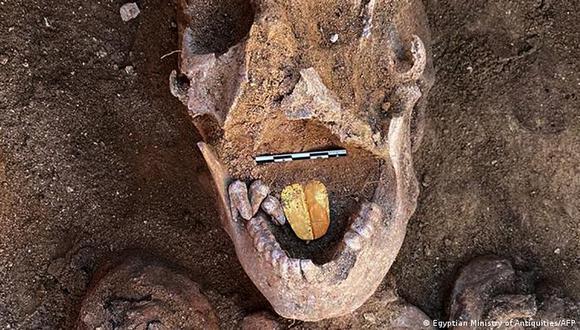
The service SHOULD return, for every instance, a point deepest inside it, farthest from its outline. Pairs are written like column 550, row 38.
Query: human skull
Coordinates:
column 279, row 75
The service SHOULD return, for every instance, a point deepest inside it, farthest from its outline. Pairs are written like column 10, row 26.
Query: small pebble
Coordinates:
column 426, row 182
column 129, row 11
column 130, row 69
column 3, row 59
column 386, row 106
column 370, row 317
column 557, row 251
column 334, row 38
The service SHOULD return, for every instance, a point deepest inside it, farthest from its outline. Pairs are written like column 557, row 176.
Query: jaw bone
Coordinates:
column 300, row 289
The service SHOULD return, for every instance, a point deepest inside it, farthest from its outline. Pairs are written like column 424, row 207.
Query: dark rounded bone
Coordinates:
column 272, row 206
column 478, row 282
column 409, row 317
column 258, row 191
column 489, row 289
column 238, row 192
column 260, row 321
column 554, row 308
column 144, row 293
column 513, row 306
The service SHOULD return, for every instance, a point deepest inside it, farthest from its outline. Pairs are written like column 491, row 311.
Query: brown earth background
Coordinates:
column 96, row 156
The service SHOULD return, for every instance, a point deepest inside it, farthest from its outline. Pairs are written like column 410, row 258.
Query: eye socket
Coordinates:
column 217, row 25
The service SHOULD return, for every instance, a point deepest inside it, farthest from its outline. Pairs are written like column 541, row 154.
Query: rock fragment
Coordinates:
column 334, row 38
column 129, row 11
column 130, row 70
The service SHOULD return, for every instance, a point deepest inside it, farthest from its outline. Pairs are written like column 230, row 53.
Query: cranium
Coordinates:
column 280, row 76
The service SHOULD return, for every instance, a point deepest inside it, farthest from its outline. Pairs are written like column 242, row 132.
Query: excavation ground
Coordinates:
column 96, row 156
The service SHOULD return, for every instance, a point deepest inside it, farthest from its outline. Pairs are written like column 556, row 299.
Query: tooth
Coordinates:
column 309, row 270
column 352, row 240
column 283, row 265
column 235, row 213
column 238, row 193
column 263, row 225
column 294, row 267
column 362, row 224
column 364, row 230
column 276, row 256
column 272, row 207
column 262, row 242
column 258, row 191
column 372, row 211
column 274, row 244
column 254, row 226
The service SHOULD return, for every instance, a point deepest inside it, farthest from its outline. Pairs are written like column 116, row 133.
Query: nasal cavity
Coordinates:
column 217, row 25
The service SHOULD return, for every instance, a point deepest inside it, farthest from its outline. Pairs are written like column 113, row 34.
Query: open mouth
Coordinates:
column 349, row 182
column 279, row 261
column 347, row 190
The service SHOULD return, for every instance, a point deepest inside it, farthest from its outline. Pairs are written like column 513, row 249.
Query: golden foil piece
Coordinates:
column 307, row 209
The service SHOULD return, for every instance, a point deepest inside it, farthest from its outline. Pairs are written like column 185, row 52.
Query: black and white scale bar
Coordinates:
column 279, row 158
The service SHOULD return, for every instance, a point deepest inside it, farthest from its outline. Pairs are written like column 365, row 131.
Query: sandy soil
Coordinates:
column 96, row 156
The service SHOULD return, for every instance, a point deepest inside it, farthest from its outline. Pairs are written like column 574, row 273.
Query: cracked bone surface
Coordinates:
column 489, row 288
column 283, row 86
column 144, row 293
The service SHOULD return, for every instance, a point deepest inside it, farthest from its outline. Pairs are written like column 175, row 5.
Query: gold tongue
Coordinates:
column 306, row 208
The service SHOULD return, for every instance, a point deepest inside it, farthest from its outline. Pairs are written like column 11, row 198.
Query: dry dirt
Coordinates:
column 96, row 156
